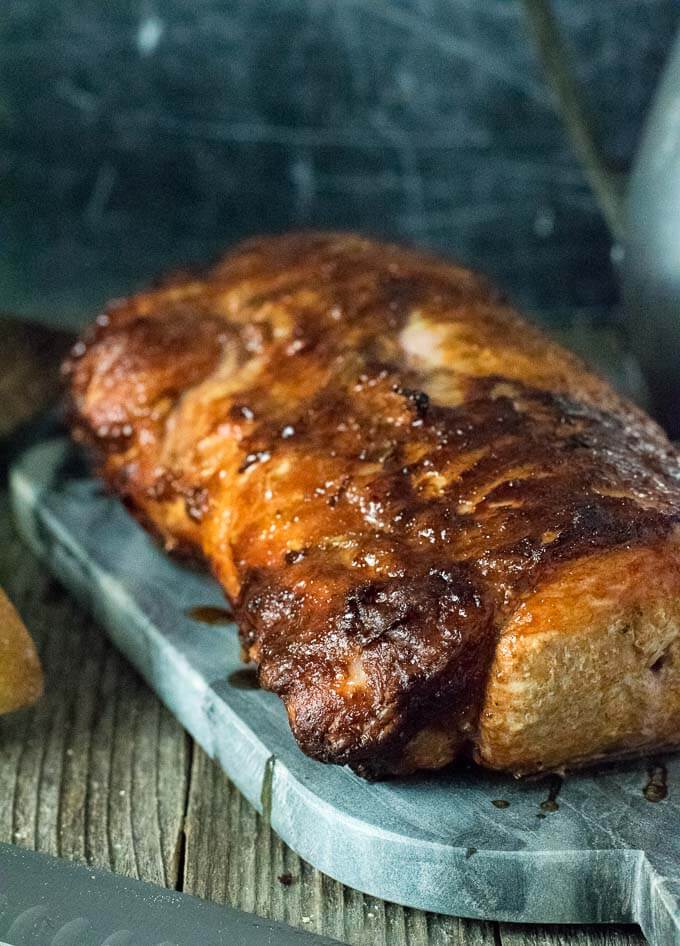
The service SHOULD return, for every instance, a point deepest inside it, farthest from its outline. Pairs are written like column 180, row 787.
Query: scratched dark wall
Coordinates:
column 136, row 135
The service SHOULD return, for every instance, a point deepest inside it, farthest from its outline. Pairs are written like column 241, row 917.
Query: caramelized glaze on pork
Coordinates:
column 378, row 459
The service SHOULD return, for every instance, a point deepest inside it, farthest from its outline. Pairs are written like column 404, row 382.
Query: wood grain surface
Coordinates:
column 99, row 772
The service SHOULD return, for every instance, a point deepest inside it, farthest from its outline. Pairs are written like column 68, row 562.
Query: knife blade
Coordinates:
column 45, row 901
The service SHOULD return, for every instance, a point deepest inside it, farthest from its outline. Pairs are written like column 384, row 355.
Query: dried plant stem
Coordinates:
column 606, row 184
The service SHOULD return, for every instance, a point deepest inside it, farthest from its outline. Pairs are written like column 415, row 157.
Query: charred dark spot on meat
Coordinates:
column 293, row 556
column 265, row 607
column 419, row 399
column 252, row 459
column 163, row 486
column 433, row 603
column 197, row 501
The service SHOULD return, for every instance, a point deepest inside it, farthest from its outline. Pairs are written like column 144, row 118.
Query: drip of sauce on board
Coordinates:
column 244, row 679
column 550, row 803
column 656, row 788
column 209, row 614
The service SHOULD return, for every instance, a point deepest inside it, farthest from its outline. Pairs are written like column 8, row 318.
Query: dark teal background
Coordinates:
column 137, row 135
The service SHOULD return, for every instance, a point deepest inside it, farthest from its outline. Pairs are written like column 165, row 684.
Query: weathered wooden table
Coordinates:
column 100, row 772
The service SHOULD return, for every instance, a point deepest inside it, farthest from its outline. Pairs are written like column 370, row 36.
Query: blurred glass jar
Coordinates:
column 651, row 269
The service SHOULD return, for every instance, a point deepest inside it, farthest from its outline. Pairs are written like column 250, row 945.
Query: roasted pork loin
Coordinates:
column 438, row 529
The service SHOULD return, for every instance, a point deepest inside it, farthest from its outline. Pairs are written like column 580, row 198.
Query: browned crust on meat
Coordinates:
column 379, row 459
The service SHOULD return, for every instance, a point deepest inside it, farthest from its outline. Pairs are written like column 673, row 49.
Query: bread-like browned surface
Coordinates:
column 21, row 678
column 383, row 464
column 588, row 666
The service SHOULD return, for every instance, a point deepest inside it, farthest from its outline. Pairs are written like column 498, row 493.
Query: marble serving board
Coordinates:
column 601, row 846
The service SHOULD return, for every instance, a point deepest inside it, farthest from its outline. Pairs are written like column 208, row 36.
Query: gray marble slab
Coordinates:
column 466, row 842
